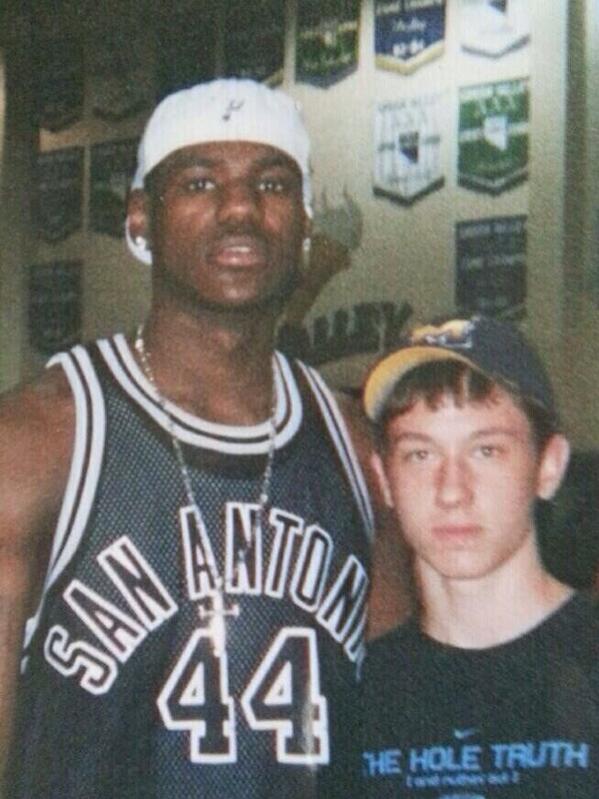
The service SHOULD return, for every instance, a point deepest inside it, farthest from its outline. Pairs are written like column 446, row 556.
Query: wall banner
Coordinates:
column 408, row 33
column 120, row 83
column 255, row 40
column 494, row 27
column 491, row 266
column 493, row 135
column 54, row 305
column 59, row 80
column 186, row 35
column 59, row 194
column 327, row 41
column 408, row 161
column 112, row 168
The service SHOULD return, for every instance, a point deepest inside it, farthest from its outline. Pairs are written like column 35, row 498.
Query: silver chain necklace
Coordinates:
column 215, row 615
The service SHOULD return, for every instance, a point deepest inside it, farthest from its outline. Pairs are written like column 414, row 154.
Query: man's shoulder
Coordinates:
column 577, row 620
column 37, row 424
column 358, row 428
column 390, row 672
column 45, row 401
column 393, row 645
column 357, row 424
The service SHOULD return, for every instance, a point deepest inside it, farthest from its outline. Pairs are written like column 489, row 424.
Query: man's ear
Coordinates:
column 552, row 466
column 138, row 214
column 379, row 469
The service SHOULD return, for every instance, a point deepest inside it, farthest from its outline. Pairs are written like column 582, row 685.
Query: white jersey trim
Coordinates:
column 230, row 439
column 84, row 472
column 342, row 440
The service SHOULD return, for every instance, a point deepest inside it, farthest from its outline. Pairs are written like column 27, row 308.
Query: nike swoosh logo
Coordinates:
column 465, row 733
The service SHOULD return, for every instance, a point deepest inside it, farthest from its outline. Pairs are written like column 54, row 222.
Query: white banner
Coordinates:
column 408, row 161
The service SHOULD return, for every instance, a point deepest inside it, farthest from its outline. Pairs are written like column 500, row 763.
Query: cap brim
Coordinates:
column 386, row 374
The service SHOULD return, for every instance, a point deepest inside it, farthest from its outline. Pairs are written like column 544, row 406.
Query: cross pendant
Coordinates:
column 215, row 614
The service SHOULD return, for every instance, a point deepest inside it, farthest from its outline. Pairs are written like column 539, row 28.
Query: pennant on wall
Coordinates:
column 491, row 266
column 408, row 33
column 120, row 82
column 494, row 27
column 54, row 305
column 186, row 44
column 493, row 135
column 327, row 40
column 59, row 193
column 408, row 148
column 58, row 75
column 112, row 167
column 255, row 39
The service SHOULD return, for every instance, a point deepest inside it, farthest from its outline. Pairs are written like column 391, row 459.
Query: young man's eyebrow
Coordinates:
column 495, row 431
column 409, row 436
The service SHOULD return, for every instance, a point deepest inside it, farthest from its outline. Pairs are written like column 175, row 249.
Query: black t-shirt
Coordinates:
column 515, row 721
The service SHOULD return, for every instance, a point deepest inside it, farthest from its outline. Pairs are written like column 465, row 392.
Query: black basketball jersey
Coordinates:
column 140, row 677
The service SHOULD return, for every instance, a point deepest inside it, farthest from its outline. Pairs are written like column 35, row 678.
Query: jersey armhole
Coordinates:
column 84, row 471
column 342, row 441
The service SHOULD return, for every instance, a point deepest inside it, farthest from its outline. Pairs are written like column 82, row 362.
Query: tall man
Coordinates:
column 493, row 690
column 184, row 521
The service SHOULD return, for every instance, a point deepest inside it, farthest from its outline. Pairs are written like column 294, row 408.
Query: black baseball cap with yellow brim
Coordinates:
column 493, row 347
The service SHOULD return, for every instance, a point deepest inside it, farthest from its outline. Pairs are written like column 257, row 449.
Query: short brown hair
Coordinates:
column 435, row 380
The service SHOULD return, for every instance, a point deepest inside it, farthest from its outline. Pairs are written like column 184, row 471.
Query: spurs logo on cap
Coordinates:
column 455, row 333
column 234, row 105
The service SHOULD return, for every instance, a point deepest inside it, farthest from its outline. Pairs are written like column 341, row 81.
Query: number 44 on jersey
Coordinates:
column 283, row 697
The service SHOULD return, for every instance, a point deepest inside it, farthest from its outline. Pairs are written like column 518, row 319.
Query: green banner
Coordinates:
column 493, row 135
column 327, row 41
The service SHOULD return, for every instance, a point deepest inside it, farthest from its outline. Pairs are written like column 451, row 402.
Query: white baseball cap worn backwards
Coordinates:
column 227, row 109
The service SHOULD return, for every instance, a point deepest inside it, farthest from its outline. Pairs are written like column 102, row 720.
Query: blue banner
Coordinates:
column 491, row 266
column 59, row 194
column 54, row 305
column 408, row 33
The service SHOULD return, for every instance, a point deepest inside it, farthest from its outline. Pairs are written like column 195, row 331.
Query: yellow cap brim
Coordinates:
column 389, row 371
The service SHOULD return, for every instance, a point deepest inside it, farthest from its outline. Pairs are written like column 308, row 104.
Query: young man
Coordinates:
column 493, row 690
column 184, row 521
